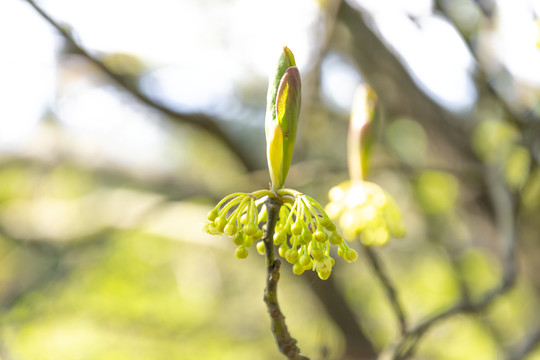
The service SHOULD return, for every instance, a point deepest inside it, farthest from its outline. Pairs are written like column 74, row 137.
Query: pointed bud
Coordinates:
column 282, row 113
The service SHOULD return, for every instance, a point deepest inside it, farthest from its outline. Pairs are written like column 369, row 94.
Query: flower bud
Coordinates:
column 317, row 254
column 282, row 113
column 241, row 252
column 258, row 234
column 213, row 214
column 304, row 260
column 283, row 250
column 351, row 255
column 280, row 237
column 260, row 247
column 230, row 229
column 306, row 236
column 296, row 228
column 335, row 238
column 239, row 238
column 250, row 229
column 221, row 222
column 298, row 269
column 320, row 236
column 291, row 255
column 323, row 275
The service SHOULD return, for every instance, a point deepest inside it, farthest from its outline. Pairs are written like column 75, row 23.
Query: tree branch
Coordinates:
column 391, row 292
column 198, row 120
column 504, row 206
column 286, row 344
column 393, row 83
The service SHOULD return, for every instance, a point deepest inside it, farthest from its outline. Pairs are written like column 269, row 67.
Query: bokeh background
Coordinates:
column 124, row 122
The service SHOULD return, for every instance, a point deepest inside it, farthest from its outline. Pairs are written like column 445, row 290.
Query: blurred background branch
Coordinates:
column 505, row 214
column 195, row 119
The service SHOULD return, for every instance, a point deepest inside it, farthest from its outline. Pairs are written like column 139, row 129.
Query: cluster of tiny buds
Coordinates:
column 238, row 216
column 303, row 232
column 365, row 211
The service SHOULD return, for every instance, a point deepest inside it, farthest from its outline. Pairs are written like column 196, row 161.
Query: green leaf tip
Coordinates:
column 289, row 55
column 282, row 113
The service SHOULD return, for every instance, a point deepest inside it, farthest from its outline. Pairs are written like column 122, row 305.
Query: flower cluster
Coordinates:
column 238, row 216
column 303, row 232
column 365, row 210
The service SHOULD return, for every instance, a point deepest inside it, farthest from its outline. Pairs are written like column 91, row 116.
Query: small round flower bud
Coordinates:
column 331, row 227
column 239, row 238
column 309, row 266
column 291, row 255
column 213, row 214
column 351, row 255
column 298, row 269
column 304, row 260
column 241, row 252
column 307, row 236
column 260, row 247
column 335, row 238
column 323, row 275
column 250, row 229
column 320, row 236
column 325, row 222
column 283, row 250
column 221, row 222
column 230, row 229
column 258, row 234
column 248, row 241
column 280, row 237
column 296, row 228
column 317, row 254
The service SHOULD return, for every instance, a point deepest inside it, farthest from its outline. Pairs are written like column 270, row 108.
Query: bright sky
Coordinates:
column 230, row 42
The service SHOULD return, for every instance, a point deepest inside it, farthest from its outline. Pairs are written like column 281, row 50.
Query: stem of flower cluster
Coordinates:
column 286, row 343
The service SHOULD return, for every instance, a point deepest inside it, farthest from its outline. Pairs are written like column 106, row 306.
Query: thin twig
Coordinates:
column 504, row 207
column 391, row 292
column 199, row 120
column 286, row 344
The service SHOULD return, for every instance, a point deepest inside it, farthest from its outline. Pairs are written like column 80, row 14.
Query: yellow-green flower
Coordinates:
column 364, row 210
column 305, row 233
column 239, row 216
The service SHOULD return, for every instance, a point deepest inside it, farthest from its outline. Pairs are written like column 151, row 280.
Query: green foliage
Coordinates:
column 145, row 297
column 496, row 143
column 437, row 192
column 408, row 140
column 492, row 140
